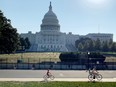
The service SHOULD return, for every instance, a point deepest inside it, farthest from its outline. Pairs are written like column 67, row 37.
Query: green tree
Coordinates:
column 80, row 47
column 98, row 45
column 9, row 38
column 113, row 47
column 110, row 44
column 105, row 47
column 27, row 46
column 85, row 44
column 24, row 43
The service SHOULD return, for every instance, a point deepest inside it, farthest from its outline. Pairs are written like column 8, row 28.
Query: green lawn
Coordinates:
column 57, row 84
column 32, row 57
column 37, row 57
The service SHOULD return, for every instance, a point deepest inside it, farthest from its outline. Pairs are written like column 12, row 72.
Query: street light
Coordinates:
column 90, row 62
column 88, row 58
column 23, row 49
column 97, row 62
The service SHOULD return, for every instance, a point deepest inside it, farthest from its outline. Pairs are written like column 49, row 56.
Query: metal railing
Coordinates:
column 52, row 63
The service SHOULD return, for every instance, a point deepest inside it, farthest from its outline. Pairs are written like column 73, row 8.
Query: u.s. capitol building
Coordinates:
column 50, row 38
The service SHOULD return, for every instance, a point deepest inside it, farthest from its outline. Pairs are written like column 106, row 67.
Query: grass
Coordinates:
column 37, row 57
column 110, row 59
column 33, row 57
column 57, row 84
column 108, row 52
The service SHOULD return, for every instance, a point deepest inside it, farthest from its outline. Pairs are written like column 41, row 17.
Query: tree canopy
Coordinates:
column 24, row 43
column 86, row 44
column 9, row 38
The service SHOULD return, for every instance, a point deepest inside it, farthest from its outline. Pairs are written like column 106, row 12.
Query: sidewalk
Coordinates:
column 56, row 79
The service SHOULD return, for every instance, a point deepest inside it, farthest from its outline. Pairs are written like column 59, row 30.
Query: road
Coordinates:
column 60, row 75
column 56, row 73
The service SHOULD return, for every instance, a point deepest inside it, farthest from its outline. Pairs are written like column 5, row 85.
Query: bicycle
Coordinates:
column 92, row 76
column 50, row 76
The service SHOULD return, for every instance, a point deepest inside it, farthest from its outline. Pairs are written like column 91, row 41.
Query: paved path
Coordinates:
column 56, row 79
column 60, row 75
column 56, row 73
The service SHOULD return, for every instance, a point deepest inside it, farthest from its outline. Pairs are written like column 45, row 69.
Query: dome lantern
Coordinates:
column 50, row 7
column 50, row 19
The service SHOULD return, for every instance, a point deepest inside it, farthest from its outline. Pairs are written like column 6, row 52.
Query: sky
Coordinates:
column 76, row 16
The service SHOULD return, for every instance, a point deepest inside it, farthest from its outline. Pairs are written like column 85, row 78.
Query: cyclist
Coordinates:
column 94, row 72
column 48, row 73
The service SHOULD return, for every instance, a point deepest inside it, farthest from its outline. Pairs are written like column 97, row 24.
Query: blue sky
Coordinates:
column 76, row 16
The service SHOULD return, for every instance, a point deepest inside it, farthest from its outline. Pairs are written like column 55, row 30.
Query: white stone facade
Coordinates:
column 50, row 38
column 101, row 36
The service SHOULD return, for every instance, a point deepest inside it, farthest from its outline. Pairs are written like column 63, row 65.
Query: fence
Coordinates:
column 56, row 64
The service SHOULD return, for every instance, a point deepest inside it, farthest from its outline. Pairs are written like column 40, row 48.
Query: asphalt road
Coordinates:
column 56, row 73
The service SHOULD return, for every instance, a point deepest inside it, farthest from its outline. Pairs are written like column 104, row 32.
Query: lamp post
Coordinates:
column 88, row 58
column 23, row 49
column 90, row 62
column 97, row 62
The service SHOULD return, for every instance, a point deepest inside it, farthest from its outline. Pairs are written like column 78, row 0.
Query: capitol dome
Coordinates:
column 50, row 18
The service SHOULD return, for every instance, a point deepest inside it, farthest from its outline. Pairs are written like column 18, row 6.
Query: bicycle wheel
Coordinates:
column 45, row 76
column 99, row 77
column 52, row 77
column 90, row 77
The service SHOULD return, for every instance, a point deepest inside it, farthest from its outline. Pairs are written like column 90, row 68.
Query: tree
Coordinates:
column 85, row 44
column 27, row 43
column 110, row 44
column 9, row 38
column 1, row 21
column 92, row 45
column 24, row 43
column 80, row 47
column 113, row 48
column 98, row 45
column 105, row 47
column 69, row 57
